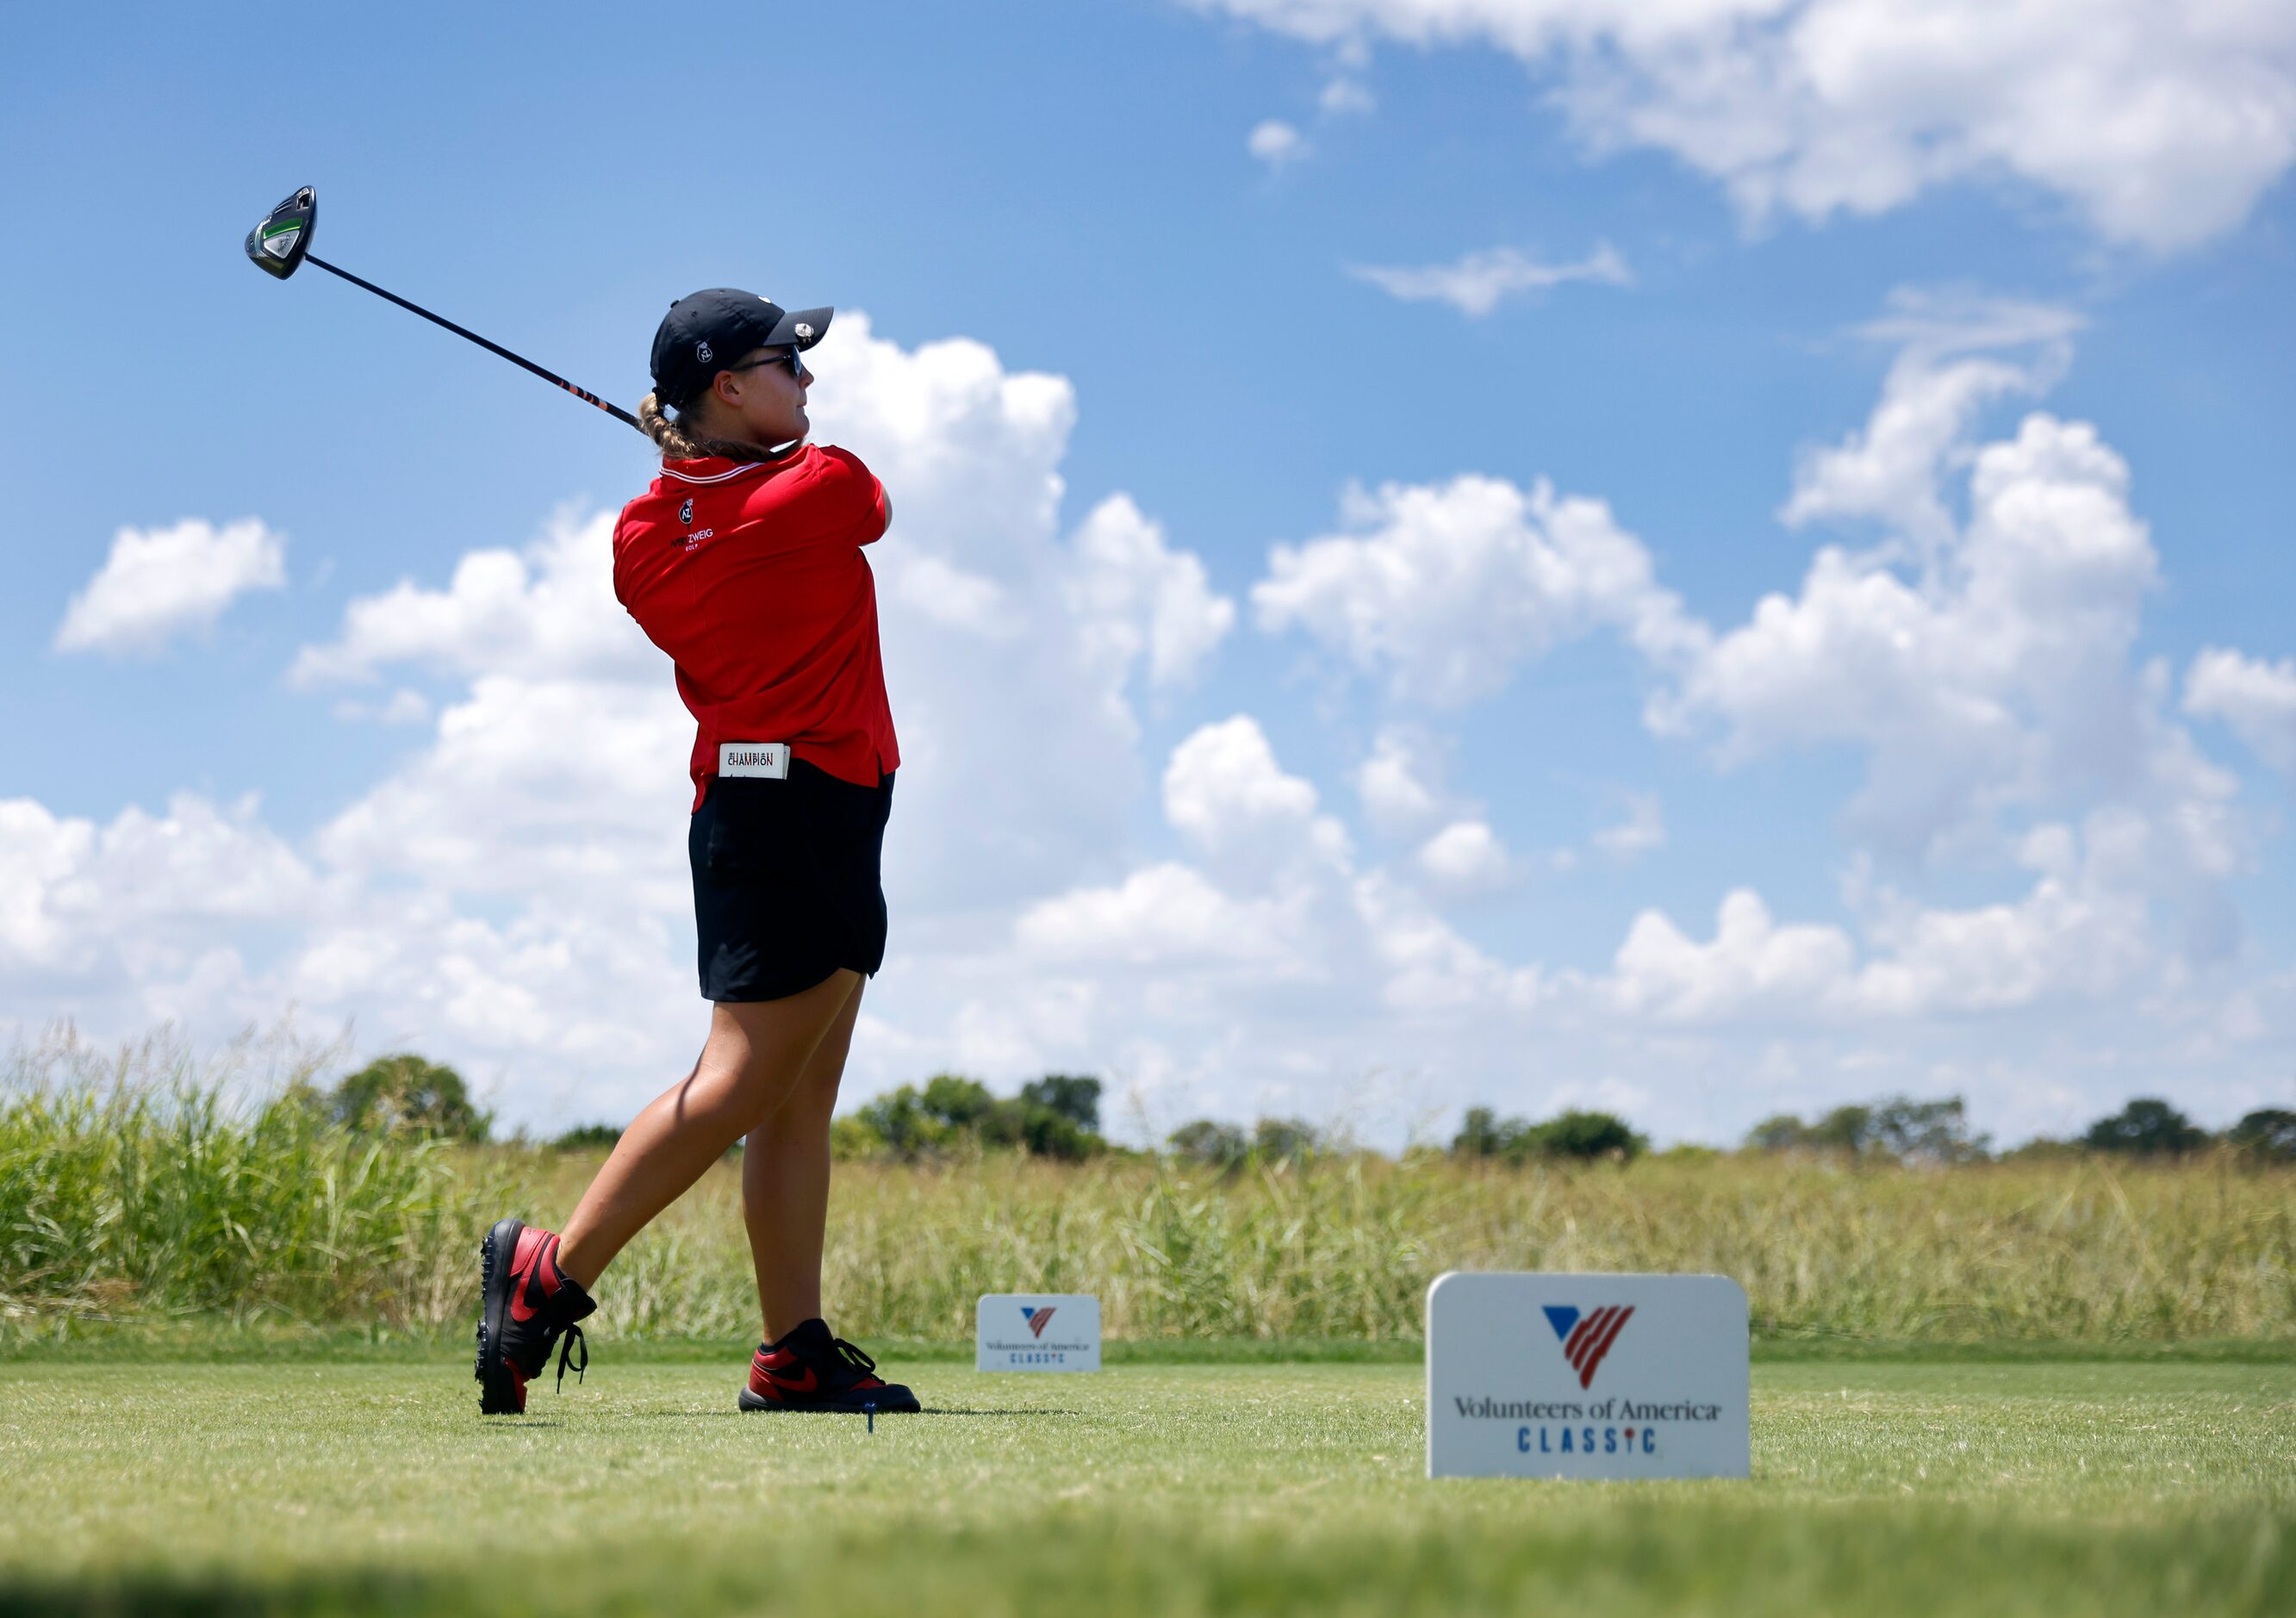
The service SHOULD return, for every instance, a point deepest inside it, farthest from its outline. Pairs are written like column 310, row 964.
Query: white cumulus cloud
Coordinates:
column 1134, row 596
column 1224, row 791
column 1467, row 856
column 162, row 582
column 2080, row 933
column 2163, row 121
column 1751, row 965
column 2001, row 680
column 139, row 921
column 1955, row 356
column 545, row 611
column 1165, row 915
column 1400, row 783
column 2257, row 699
column 1445, row 589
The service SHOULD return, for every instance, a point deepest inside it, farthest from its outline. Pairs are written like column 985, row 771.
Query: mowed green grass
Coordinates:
column 1879, row 1490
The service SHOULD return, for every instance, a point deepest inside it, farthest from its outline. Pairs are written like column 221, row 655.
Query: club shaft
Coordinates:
column 616, row 411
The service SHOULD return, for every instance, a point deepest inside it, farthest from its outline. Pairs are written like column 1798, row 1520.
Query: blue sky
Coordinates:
column 1081, row 193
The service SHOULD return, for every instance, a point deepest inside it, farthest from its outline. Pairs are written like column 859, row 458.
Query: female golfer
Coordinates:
column 743, row 562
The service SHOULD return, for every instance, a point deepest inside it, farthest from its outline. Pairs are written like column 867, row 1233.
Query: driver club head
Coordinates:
column 282, row 236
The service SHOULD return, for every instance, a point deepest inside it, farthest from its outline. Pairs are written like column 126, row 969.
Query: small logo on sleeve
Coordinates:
column 685, row 511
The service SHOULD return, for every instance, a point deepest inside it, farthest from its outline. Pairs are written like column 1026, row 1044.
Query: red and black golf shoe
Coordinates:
column 526, row 1303
column 811, row 1370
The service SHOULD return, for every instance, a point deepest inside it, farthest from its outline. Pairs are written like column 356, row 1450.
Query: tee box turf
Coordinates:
column 1036, row 1332
column 1587, row 1376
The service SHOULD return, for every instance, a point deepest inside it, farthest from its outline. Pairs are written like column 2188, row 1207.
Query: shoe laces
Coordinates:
column 853, row 1355
column 567, row 1344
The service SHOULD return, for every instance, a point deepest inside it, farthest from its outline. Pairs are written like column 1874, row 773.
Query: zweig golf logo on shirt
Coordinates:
column 1036, row 1332
column 1587, row 1376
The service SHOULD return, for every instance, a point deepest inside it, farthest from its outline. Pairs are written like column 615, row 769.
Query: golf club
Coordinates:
column 281, row 243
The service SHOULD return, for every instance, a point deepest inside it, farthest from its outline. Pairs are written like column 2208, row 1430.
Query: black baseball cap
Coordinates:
column 706, row 332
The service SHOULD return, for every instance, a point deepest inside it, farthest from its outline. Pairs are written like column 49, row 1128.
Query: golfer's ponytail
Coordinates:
column 672, row 437
column 668, row 436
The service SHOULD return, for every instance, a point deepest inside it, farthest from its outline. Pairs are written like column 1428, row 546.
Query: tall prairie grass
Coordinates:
column 2078, row 1251
column 154, row 1183
column 124, row 1194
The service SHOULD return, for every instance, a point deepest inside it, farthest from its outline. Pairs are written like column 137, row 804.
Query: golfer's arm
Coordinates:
column 885, row 509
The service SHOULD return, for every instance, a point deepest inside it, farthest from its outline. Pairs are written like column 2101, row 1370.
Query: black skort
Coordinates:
column 786, row 884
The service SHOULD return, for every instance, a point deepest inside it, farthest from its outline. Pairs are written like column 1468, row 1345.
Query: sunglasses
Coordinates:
column 794, row 359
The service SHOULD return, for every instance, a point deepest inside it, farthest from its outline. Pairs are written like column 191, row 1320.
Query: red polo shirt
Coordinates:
column 752, row 577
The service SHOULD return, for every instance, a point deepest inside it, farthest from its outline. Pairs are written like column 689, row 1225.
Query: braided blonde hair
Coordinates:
column 676, row 437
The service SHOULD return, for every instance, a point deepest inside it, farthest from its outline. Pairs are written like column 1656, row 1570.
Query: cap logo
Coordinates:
column 804, row 330
column 703, row 352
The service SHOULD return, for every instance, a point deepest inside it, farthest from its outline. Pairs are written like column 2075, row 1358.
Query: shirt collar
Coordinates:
column 712, row 469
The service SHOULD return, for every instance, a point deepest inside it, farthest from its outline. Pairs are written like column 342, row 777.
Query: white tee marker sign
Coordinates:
column 1587, row 1376
column 1037, row 1331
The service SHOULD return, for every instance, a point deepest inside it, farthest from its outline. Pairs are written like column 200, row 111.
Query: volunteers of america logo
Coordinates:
column 1037, row 1319
column 1586, row 1339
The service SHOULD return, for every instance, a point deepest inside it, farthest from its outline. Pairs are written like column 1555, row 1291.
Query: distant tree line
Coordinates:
column 1058, row 1116
column 1904, row 1130
column 1209, row 1142
column 2151, row 1128
column 1571, row 1134
column 1900, row 1128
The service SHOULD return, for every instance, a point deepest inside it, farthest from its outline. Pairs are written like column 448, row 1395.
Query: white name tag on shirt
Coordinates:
column 764, row 760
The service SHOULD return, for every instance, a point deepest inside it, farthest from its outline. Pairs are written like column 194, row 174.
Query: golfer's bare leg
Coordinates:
column 756, row 1052
column 785, row 1184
